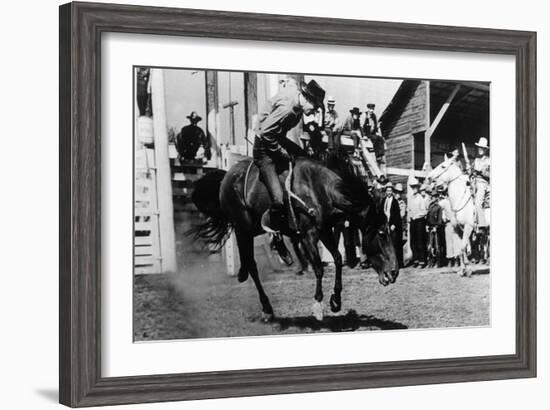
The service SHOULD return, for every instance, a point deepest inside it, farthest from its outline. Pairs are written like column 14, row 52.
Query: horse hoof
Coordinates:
column 318, row 311
column 242, row 277
column 267, row 317
column 335, row 305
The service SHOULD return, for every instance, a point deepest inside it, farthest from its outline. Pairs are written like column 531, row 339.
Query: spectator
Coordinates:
column 416, row 214
column 393, row 215
column 436, row 231
column 190, row 138
column 143, row 91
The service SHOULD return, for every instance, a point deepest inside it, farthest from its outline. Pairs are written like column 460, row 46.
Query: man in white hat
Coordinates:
column 481, row 172
column 331, row 121
column 331, row 116
column 417, row 210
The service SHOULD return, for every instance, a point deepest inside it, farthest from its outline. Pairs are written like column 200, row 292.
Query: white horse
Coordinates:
column 462, row 205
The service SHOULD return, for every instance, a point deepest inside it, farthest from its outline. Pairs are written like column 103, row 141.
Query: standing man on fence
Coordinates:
column 371, row 128
column 190, row 138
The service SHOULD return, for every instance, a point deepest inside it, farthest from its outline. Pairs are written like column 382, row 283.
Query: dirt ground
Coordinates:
column 201, row 303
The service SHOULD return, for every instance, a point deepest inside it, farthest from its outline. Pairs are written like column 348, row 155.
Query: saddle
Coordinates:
column 293, row 202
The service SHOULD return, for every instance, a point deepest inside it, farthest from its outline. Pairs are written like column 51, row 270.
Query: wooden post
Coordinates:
column 427, row 134
column 164, row 180
column 443, row 110
column 212, row 116
column 250, row 107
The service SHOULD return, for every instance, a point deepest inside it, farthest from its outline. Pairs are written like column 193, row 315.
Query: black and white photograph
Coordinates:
column 285, row 203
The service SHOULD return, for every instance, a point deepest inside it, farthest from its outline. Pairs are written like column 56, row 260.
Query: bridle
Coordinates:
column 464, row 195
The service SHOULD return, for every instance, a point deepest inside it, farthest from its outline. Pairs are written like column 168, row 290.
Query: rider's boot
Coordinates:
column 274, row 221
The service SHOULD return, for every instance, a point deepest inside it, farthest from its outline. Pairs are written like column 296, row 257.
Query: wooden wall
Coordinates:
column 406, row 119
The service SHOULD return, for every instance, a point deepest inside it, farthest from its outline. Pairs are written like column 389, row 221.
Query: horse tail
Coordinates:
column 215, row 230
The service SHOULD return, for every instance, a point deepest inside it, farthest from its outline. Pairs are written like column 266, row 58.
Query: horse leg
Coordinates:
column 349, row 243
column 245, row 243
column 465, row 269
column 300, row 255
column 331, row 244
column 310, row 242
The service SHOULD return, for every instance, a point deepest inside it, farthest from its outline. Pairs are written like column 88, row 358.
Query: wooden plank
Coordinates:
column 143, row 251
column 142, row 226
column 143, row 240
column 172, row 152
column 405, row 172
column 144, row 260
column 178, row 176
column 146, row 212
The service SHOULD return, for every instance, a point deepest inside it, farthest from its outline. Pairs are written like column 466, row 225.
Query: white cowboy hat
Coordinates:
column 483, row 143
column 389, row 185
column 414, row 182
column 399, row 187
column 331, row 100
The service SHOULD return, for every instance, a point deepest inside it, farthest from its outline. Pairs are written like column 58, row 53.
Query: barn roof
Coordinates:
column 471, row 101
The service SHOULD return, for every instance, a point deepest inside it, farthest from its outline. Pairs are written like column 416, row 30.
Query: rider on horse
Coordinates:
column 480, row 174
column 271, row 146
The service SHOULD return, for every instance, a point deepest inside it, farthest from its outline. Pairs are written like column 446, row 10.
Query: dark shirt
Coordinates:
column 282, row 113
column 188, row 141
column 435, row 214
column 349, row 124
column 370, row 126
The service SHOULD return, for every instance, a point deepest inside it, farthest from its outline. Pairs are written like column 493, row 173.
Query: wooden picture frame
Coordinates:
column 81, row 27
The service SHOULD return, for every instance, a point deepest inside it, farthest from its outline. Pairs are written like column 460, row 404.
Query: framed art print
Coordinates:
column 259, row 204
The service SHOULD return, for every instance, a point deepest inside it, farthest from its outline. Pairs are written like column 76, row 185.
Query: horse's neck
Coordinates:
column 457, row 189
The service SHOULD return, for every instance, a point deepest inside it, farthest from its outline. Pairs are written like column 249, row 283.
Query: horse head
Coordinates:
column 445, row 172
column 377, row 243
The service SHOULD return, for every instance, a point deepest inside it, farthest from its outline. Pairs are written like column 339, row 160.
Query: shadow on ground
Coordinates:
column 349, row 322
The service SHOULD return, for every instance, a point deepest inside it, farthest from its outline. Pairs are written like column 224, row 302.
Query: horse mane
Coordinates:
column 354, row 184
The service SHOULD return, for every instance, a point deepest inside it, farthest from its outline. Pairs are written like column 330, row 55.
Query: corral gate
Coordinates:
column 154, row 235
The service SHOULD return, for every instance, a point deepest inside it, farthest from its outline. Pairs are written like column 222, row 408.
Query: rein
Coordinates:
column 245, row 188
column 463, row 196
column 466, row 191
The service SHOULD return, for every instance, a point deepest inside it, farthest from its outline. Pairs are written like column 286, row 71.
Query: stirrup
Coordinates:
column 264, row 225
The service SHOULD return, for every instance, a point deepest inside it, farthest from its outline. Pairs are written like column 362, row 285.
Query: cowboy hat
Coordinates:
column 313, row 92
column 355, row 110
column 427, row 188
column 414, row 182
column 194, row 116
column 482, row 143
column 371, row 105
column 331, row 100
column 398, row 187
column 389, row 185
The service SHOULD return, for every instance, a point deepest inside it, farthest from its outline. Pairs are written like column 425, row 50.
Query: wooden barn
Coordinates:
column 425, row 119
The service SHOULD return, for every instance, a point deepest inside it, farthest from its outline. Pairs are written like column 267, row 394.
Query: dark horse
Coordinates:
column 243, row 199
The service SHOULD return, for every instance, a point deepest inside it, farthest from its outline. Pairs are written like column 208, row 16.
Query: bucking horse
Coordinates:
column 320, row 200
